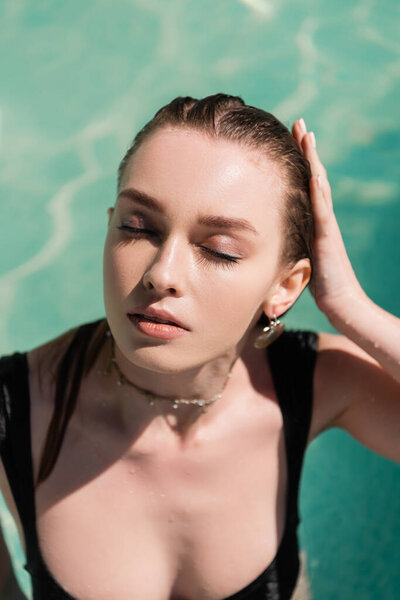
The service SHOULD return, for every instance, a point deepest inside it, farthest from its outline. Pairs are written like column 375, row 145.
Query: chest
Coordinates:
column 139, row 516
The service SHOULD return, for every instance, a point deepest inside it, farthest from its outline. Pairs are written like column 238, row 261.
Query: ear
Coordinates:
column 288, row 288
column 110, row 212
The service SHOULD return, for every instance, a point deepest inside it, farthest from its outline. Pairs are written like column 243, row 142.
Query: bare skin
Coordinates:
column 153, row 515
column 163, row 501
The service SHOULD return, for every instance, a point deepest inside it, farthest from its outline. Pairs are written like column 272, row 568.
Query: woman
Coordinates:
column 167, row 440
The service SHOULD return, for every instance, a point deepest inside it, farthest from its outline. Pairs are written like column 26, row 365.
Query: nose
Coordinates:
column 165, row 273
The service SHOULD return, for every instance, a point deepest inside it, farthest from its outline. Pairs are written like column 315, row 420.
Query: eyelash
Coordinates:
column 220, row 259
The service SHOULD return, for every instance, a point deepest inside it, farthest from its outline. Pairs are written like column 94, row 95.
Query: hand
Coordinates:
column 333, row 282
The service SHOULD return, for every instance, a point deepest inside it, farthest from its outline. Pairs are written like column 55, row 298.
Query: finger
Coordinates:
column 299, row 129
column 309, row 148
column 321, row 208
column 317, row 168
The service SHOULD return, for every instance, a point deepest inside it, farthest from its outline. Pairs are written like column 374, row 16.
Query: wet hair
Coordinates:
column 228, row 117
column 219, row 116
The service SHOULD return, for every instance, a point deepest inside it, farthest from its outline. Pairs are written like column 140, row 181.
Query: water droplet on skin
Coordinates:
column 325, row 276
column 376, row 345
column 131, row 471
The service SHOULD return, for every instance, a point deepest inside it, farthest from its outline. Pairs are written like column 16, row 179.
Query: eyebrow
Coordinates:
column 208, row 220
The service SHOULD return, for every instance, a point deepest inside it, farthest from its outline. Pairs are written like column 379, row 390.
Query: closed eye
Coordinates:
column 137, row 230
column 214, row 255
column 233, row 259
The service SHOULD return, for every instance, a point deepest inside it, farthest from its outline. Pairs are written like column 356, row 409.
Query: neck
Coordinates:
column 200, row 384
column 203, row 382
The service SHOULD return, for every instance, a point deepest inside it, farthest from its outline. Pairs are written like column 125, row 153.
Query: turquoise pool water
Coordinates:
column 79, row 79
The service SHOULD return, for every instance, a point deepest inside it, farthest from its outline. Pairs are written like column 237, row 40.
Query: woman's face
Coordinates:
column 209, row 255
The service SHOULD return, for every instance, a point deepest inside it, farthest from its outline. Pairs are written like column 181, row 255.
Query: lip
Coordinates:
column 158, row 313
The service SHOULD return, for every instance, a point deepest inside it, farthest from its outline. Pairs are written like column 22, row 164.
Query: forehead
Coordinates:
column 189, row 168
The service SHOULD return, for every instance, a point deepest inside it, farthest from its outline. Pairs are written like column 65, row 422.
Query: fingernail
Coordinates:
column 312, row 136
column 302, row 125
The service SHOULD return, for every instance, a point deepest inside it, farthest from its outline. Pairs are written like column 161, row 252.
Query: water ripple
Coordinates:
column 62, row 225
column 263, row 8
column 306, row 92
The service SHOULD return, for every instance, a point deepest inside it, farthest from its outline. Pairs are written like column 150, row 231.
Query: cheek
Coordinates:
column 120, row 273
column 230, row 304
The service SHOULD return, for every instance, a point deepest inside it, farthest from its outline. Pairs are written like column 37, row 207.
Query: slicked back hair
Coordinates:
column 220, row 116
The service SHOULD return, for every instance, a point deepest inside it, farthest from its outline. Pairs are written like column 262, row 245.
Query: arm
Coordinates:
column 353, row 392
column 357, row 377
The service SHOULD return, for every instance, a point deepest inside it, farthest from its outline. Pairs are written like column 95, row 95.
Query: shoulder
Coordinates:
column 339, row 365
column 39, row 364
column 47, row 356
column 53, row 370
column 44, row 361
column 47, row 352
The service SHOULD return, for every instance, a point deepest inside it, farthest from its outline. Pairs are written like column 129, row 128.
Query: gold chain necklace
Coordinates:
column 151, row 397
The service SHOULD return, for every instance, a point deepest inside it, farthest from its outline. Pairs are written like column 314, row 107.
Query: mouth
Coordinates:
column 153, row 314
column 155, row 319
column 157, row 327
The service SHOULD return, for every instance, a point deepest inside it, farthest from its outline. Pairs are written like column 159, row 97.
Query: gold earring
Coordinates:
column 270, row 333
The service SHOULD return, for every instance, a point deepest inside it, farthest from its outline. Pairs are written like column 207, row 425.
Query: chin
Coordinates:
column 151, row 359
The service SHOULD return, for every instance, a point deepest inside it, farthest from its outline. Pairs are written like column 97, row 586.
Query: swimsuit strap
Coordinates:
column 15, row 438
column 292, row 359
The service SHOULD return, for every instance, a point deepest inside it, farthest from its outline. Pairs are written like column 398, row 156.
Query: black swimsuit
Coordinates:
column 291, row 359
